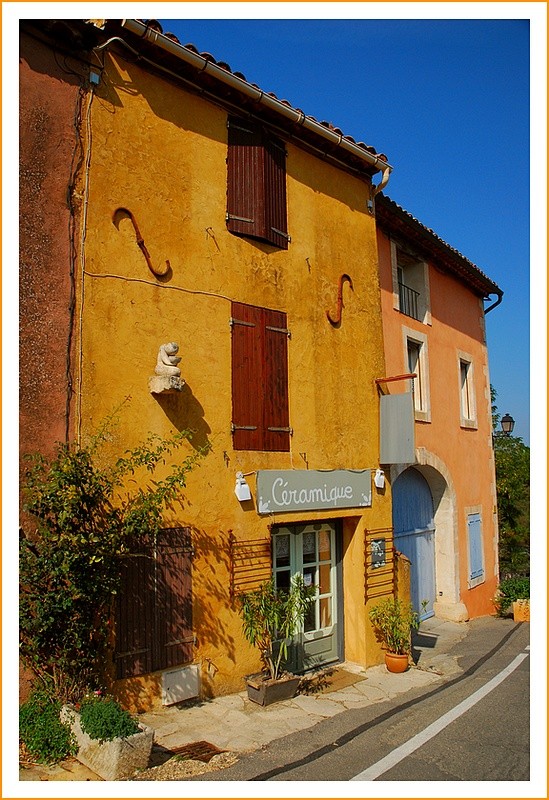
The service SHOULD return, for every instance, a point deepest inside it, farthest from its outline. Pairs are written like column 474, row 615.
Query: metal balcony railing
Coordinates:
column 408, row 301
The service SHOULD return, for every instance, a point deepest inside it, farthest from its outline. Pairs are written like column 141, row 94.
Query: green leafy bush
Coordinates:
column 86, row 510
column 104, row 719
column 40, row 729
column 509, row 590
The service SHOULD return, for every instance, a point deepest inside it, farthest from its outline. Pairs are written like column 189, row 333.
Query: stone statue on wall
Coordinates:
column 167, row 378
column 167, row 361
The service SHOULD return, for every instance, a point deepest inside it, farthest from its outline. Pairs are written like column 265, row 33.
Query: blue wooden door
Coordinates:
column 414, row 532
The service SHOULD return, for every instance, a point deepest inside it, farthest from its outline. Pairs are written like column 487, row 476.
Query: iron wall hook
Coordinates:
column 340, row 305
column 160, row 273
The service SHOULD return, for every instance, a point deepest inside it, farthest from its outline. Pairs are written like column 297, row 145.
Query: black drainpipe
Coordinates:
column 498, row 301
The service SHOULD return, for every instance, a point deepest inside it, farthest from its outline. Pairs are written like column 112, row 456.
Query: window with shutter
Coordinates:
column 476, row 560
column 256, row 183
column 259, row 379
column 466, row 391
column 154, row 606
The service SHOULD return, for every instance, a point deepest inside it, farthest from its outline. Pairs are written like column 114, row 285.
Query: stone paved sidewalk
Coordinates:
column 233, row 723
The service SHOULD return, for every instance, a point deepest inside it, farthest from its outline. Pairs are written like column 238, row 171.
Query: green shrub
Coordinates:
column 104, row 719
column 86, row 511
column 40, row 729
column 509, row 590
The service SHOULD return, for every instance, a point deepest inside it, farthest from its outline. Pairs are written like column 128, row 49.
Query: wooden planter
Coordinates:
column 396, row 662
column 265, row 691
column 115, row 760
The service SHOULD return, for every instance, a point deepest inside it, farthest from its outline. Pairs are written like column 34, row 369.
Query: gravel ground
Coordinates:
column 177, row 769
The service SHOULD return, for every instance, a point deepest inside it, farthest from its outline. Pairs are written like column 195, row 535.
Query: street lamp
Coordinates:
column 507, row 424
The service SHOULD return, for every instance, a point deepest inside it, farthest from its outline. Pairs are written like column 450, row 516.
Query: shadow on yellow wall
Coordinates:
column 186, row 413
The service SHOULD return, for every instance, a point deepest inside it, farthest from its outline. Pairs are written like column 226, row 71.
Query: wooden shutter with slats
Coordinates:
column 247, row 379
column 154, row 606
column 256, row 183
column 276, row 225
column 476, row 561
column 173, row 603
column 259, row 379
column 135, row 617
column 276, row 412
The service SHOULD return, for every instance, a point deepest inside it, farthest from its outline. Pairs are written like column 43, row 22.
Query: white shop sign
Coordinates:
column 312, row 490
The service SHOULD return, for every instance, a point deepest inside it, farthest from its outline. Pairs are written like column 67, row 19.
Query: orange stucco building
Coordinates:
column 432, row 301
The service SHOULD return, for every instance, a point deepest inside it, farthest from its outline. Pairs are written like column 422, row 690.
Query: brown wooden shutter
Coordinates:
column 259, row 379
column 256, row 183
column 135, row 617
column 154, row 606
column 276, row 415
column 276, row 224
column 245, row 178
column 174, row 613
column 247, row 377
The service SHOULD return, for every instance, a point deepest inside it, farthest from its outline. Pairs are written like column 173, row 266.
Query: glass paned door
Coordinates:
column 310, row 551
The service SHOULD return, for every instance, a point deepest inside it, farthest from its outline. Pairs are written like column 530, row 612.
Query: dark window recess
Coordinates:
column 154, row 606
column 408, row 301
column 256, row 183
column 259, row 379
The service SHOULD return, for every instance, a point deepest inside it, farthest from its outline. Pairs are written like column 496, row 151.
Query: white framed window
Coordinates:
column 416, row 362
column 467, row 400
column 411, row 294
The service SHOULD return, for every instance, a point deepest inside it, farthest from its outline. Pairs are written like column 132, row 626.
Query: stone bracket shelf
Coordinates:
column 165, row 384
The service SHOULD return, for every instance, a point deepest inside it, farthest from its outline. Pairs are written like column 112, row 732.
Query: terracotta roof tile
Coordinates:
column 155, row 25
column 433, row 242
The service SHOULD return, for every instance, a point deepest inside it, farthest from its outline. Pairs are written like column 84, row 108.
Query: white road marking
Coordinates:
column 397, row 755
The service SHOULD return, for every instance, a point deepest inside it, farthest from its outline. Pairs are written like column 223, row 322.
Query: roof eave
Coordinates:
column 219, row 78
column 396, row 220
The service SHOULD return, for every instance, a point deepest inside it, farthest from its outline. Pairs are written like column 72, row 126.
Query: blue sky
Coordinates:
column 447, row 100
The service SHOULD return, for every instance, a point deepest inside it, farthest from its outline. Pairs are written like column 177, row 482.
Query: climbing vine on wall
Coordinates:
column 89, row 512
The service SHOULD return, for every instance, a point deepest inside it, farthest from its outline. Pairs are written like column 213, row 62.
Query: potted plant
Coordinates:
column 270, row 618
column 393, row 620
column 110, row 741
column 513, row 596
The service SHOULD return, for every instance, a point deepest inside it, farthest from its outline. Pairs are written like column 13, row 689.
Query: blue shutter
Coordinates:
column 475, row 547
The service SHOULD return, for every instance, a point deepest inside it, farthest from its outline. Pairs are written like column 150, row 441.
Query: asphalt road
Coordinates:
column 474, row 727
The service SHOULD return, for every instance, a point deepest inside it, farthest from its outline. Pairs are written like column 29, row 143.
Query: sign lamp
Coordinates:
column 242, row 490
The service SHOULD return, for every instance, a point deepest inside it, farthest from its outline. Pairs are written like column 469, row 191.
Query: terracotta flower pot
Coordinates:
column 396, row 662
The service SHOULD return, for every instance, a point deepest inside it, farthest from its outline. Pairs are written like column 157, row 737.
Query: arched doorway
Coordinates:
column 414, row 533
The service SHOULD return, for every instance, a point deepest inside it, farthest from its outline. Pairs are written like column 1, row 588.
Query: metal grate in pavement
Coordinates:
column 198, row 751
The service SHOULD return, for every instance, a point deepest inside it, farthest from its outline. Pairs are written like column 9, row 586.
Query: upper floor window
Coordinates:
column 415, row 366
column 417, row 363
column 468, row 414
column 256, row 183
column 410, row 284
column 259, row 379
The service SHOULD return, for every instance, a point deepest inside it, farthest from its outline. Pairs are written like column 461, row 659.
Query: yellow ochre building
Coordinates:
column 220, row 263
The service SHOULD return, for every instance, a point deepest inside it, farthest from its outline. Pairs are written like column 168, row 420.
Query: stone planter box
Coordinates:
column 115, row 760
